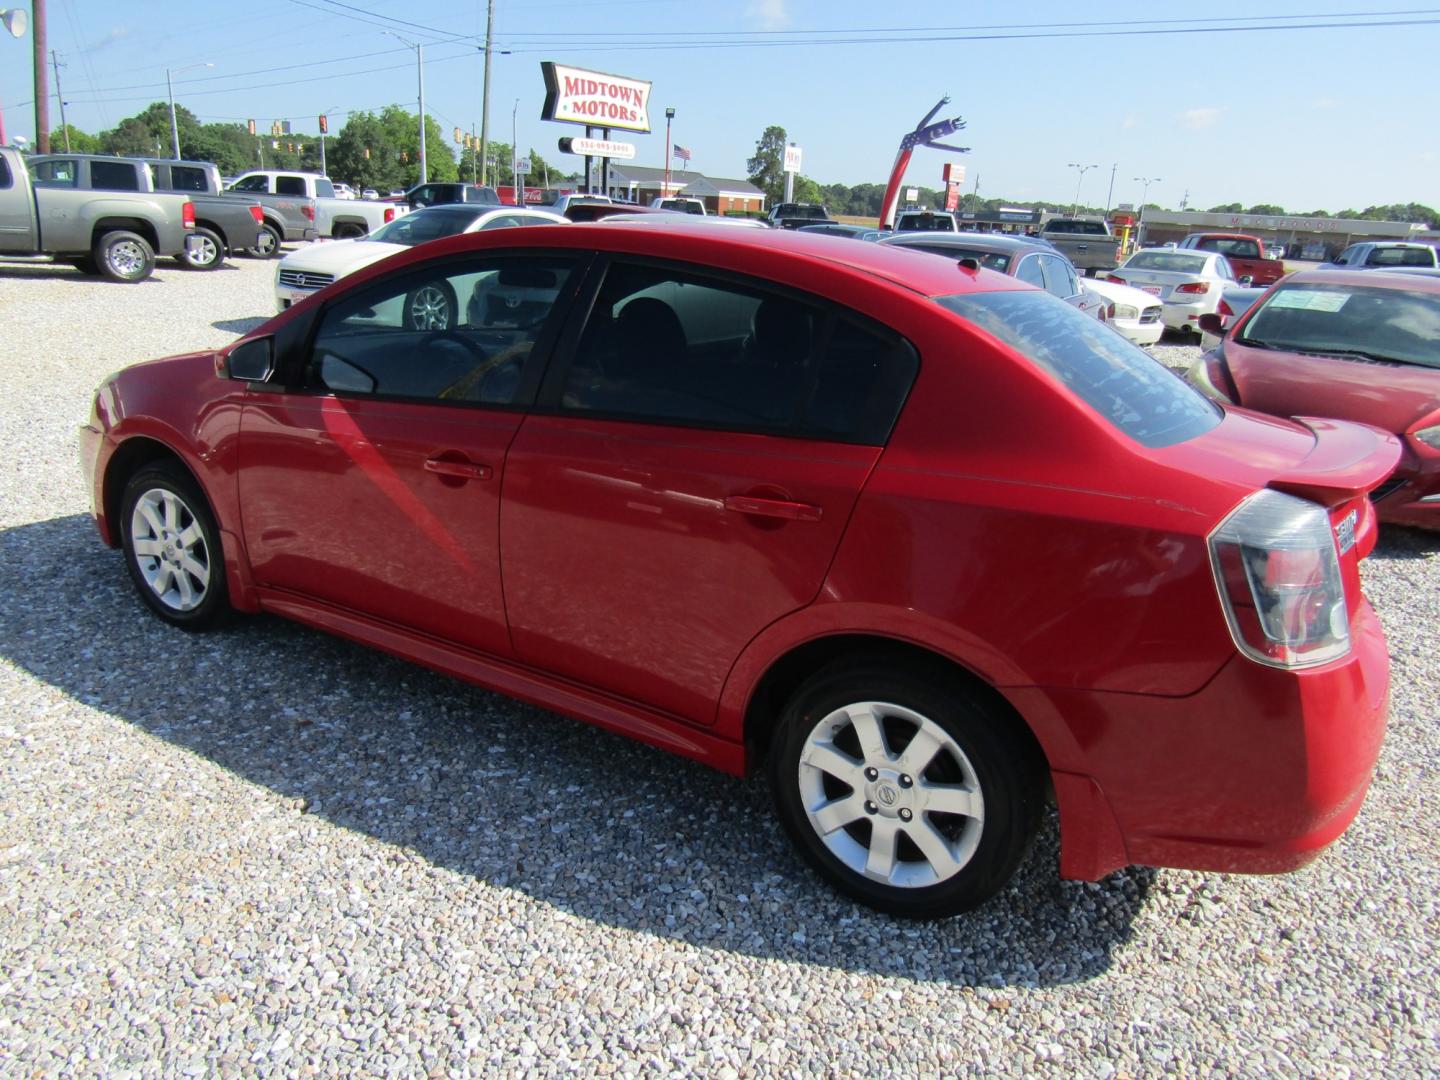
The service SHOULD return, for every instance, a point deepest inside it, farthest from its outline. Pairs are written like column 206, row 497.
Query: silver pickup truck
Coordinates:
column 335, row 218
column 1087, row 242
column 50, row 218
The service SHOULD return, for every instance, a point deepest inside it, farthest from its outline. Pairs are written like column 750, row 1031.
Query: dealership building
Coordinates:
column 644, row 185
column 1301, row 237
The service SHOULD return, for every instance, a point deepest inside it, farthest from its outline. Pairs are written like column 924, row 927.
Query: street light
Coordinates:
column 669, row 115
column 1145, row 191
column 1083, row 170
column 420, row 73
column 170, row 86
column 15, row 20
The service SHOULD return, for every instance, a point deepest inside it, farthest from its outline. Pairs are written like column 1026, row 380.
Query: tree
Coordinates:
column 1267, row 209
column 364, row 156
column 766, row 170
column 1226, row 208
column 79, row 141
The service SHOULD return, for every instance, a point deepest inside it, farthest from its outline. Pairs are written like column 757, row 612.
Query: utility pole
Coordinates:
column 975, row 196
column 485, row 96
column 64, row 127
column 1185, row 199
column 1110, row 195
column 515, row 154
column 42, row 92
column 1083, row 170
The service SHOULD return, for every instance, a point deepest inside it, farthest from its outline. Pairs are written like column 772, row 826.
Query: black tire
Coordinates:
column 179, row 569
column 121, row 255
column 978, row 752
column 431, row 306
column 267, row 245
column 212, row 251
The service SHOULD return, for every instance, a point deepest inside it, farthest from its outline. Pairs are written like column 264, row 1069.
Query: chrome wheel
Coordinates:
column 170, row 550
column 126, row 258
column 429, row 308
column 891, row 794
column 267, row 244
column 207, row 251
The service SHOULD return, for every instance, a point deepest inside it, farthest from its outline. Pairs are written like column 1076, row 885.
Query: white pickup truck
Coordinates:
column 335, row 218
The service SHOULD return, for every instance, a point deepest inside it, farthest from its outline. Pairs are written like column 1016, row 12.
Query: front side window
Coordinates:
column 290, row 185
column 1346, row 320
column 114, row 176
column 461, row 331
column 668, row 346
column 1125, row 385
column 260, row 184
column 61, row 173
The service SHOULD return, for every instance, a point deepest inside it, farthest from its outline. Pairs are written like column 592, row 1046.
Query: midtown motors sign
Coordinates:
column 576, row 96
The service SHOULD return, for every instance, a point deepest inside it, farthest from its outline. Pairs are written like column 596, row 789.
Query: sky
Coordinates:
column 1313, row 105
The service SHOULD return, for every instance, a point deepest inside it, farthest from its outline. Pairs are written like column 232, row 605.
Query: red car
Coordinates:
column 930, row 542
column 1359, row 345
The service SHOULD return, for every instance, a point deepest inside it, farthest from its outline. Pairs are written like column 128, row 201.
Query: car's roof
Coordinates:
column 1383, row 279
column 770, row 249
column 977, row 241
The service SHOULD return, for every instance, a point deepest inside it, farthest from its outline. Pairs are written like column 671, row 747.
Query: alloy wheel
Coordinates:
column 170, row 549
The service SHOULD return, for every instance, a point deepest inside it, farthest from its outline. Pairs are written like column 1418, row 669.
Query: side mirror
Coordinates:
column 251, row 361
column 1211, row 324
column 1247, row 280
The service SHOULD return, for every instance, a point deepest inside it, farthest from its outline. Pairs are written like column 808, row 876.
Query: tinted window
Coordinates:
column 259, row 184
column 1229, row 245
column 673, row 347
column 114, row 176
column 187, row 178
column 1059, row 278
column 1127, row 386
column 1401, row 257
column 56, row 173
column 459, row 332
column 1390, row 324
column 1029, row 271
column 421, row 226
column 290, row 185
column 5, row 179
column 1087, row 228
column 926, row 223
column 324, row 188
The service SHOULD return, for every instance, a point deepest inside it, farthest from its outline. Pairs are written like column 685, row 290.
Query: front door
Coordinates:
column 376, row 486
column 686, row 479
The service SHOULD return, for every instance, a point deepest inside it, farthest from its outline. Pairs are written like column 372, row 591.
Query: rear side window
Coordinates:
column 1125, row 385
column 324, row 188
column 56, row 173
column 114, row 176
column 290, row 185
column 666, row 346
column 187, row 178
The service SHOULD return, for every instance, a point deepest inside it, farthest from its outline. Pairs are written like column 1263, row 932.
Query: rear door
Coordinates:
column 686, row 477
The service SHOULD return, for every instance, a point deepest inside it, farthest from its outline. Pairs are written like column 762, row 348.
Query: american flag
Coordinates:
column 682, row 153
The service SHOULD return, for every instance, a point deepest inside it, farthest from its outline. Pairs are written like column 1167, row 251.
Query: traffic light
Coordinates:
column 367, row 153
column 458, row 136
column 251, row 125
column 324, row 124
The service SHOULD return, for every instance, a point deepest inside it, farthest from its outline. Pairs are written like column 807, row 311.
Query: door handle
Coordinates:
column 776, row 508
column 464, row 470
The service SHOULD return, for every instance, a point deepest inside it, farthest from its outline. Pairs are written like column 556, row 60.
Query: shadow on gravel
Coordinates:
column 597, row 825
column 240, row 327
column 1403, row 542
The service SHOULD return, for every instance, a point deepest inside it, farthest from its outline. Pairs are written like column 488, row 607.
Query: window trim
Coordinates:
column 549, row 400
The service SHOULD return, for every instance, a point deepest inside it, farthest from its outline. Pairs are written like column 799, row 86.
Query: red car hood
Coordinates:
column 1389, row 396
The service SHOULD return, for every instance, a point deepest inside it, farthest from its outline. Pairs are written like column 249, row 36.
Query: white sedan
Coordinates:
column 1188, row 283
column 310, row 269
column 1133, row 312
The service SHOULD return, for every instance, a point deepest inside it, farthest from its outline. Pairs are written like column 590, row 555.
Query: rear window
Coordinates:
column 1240, row 248
column 1087, row 228
column 926, row 223
column 1125, row 385
column 1401, row 257
column 1369, row 323
column 1169, row 261
column 290, row 185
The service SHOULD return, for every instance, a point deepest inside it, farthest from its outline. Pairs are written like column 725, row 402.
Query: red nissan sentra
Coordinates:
column 1360, row 345
column 930, row 543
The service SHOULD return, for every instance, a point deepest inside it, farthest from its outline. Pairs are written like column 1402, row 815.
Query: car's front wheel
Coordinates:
column 172, row 547
column 904, row 788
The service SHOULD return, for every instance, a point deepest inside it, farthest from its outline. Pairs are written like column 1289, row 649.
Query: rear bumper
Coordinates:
column 1186, row 316
column 1257, row 773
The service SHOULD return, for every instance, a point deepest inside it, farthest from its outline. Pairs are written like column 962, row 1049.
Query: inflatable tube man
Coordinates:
column 925, row 134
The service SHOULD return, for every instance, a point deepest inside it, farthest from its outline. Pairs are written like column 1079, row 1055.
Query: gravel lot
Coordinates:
column 267, row 852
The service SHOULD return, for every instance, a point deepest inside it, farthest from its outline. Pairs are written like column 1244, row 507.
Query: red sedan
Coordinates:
column 1361, row 346
column 929, row 543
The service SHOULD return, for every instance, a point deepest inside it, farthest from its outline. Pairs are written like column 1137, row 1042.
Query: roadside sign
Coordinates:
column 621, row 151
column 792, row 159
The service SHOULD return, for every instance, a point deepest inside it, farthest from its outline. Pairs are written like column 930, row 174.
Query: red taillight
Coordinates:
column 1224, row 310
column 187, row 214
column 1115, row 278
column 390, row 213
column 1193, row 287
column 1109, row 311
column 309, row 212
column 257, row 215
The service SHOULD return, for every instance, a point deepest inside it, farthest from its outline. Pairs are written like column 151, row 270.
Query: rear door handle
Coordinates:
column 776, row 508
column 464, row 470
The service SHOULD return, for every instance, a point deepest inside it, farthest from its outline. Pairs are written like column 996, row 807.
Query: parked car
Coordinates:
column 1358, row 345
column 925, row 221
column 342, row 191
column 1131, row 311
column 441, row 194
column 791, row 215
column 1087, row 242
column 369, row 193
column 1245, row 254
column 683, row 206
column 311, row 269
column 1188, row 283
column 926, row 543
column 1235, row 300
column 335, row 219
column 837, row 228
column 1274, row 251
column 560, row 201
column 1382, row 255
column 1031, row 261
column 51, row 216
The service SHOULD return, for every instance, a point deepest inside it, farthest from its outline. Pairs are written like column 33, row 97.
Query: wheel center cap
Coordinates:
column 886, row 792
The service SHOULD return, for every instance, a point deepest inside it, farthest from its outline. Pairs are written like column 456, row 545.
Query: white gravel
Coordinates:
column 267, row 852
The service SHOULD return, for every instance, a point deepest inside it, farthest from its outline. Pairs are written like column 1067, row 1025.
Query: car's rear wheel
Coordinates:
column 431, row 307
column 172, row 547
column 905, row 789
column 208, row 253
column 125, row 256
column 267, row 244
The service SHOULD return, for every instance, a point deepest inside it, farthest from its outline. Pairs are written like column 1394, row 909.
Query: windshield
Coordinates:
column 1170, row 261
column 418, row 227
column 990, row 260
column 1128, row 387
column 1382, row 324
